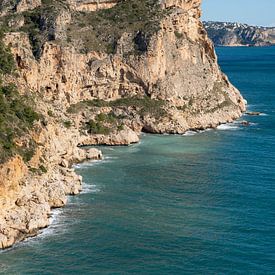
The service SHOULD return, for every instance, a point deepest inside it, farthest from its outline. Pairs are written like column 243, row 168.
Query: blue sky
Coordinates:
column 254, row 12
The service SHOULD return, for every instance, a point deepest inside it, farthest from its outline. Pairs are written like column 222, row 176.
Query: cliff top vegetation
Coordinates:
column 95, row 30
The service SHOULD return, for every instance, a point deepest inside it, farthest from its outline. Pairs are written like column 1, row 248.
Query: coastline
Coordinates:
column 244, row 46
column 77, row 185
column 90, row 97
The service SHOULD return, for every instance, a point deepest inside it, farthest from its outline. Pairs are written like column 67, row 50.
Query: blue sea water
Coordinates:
column 197, row 204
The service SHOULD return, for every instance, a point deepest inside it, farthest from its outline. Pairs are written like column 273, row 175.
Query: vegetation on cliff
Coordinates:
column 6, row 59
column 105, row 123
column 100, row 30
column 16, row 114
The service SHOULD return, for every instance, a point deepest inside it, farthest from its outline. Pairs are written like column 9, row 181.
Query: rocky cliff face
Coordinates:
column 102, row 77
column 235, row 34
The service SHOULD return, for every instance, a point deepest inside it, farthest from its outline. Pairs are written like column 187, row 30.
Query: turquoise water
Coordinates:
column 201, row 204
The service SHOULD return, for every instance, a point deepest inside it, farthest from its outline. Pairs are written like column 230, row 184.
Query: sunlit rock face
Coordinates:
column 92, row 5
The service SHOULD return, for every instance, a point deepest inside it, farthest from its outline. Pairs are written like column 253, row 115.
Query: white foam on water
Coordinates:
column 88, row 164
column 56, row 226
column 190, row 133
column 89, row 188
column 205, row 130
column 109, row 157
column 54, row 215
column 228, row 126
column 110, row 148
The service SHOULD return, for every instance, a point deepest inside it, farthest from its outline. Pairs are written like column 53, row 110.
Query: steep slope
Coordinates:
column 235, row 34
column 101, row 77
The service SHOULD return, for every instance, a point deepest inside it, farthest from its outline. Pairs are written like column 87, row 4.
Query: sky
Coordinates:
column 252, row 12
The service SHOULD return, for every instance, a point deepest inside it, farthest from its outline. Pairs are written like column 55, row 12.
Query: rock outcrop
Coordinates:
column 92, row 5
column 98, row 79
column 236, row 34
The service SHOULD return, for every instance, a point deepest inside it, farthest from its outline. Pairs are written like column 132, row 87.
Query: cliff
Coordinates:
column 101, row 76
column 236, row 34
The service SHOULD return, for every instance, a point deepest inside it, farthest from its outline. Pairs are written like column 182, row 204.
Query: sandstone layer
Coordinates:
column 159, row 79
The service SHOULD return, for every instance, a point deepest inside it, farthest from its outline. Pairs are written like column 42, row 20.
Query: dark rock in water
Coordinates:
column 253, row 113
column 245, row 123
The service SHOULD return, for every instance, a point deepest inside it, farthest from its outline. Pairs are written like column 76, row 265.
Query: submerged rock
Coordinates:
column 253, row 113
column 245, row 123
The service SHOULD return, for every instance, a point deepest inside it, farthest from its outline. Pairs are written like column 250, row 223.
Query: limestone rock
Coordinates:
column 125, row 137
column 64, row 163
column 24, row 5
column 93, row 153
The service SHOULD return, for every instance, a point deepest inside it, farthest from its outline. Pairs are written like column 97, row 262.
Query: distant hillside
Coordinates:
column 236, row 34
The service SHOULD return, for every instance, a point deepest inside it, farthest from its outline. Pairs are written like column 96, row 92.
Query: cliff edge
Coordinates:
column 99, row 72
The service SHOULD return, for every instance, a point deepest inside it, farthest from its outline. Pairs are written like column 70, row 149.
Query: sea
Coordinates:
column 201, row 203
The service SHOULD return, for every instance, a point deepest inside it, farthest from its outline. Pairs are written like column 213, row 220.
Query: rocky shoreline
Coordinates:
column 43, row 193
column 29, row 211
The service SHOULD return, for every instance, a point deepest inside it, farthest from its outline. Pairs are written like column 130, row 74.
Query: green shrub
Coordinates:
column 50, row 113
column 43, row 169
column 178, row 35
column 67, row 124
column 95, row 127
column 120, row 127
column 145, row 105
column 7, row 64
column 106, row 118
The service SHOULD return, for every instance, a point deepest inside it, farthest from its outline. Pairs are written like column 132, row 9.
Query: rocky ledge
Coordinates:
column 98, row 77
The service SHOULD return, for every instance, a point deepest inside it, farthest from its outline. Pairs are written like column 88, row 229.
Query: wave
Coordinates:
column 88, row 164
column 229, row 126
column 56, row 226
column 190, row 133
column 89, row 188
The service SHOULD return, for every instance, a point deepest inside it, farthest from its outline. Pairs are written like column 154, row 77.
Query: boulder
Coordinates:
column 64, row 163
column 93, row 153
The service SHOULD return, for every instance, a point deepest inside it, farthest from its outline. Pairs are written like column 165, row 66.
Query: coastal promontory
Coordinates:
column 76, row 73
column 237, row 34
